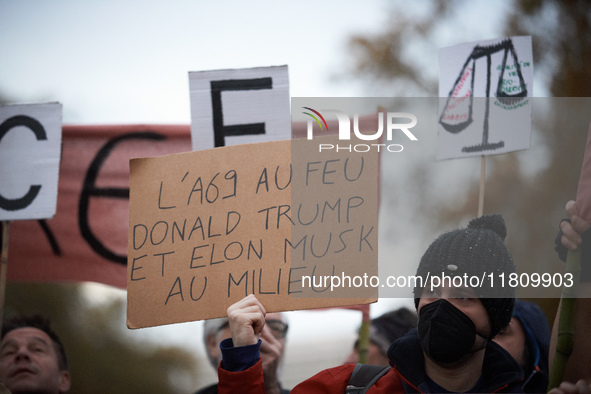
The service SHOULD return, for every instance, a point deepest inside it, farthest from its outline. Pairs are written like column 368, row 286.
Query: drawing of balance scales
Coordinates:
column 511, row 89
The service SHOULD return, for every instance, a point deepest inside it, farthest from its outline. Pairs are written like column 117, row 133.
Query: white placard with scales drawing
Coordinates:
column 485, row 91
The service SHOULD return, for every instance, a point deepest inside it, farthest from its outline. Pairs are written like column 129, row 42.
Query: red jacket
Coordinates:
column 500, row 374
column 329, row 381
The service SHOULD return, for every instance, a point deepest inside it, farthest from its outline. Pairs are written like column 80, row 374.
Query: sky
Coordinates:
column 127, row 61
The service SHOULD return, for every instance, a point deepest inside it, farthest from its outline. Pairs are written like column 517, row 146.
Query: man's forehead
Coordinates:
column 27, row 333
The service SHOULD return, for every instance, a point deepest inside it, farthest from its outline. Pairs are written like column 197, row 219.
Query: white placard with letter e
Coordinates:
column 239, row 106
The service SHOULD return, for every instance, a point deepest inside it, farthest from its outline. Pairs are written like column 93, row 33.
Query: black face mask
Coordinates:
column 446, row 333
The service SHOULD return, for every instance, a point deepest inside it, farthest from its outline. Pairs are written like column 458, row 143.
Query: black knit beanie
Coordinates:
column 476, row 251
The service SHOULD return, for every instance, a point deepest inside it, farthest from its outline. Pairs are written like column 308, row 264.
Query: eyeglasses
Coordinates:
column 278, row 328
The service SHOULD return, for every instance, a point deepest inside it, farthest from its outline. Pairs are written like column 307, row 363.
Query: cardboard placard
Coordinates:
column 239, row 106
column 484, row 89
column 208, row 227
column 30, row 143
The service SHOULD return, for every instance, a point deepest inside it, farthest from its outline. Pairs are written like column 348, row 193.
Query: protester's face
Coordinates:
column 29, row 363
column 467, row 301
column 512, row 339
column 275, row 322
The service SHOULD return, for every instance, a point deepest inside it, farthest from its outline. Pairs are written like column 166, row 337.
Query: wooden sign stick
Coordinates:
column 481, row 192
column 3, row 267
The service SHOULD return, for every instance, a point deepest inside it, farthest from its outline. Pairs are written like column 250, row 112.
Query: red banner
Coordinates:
column 86, row 240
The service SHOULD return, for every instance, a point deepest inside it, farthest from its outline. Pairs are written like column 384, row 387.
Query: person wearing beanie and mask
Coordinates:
column 452, row 349
column 383, row 330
